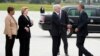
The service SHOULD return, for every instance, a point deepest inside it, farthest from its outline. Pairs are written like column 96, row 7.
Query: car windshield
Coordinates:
column 90, row 12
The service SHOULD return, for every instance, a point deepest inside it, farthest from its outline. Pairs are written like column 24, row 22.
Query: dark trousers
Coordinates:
column 64, row 39
column 80, row 45
column 24, row 46
column 55, row 45
column 9, row 45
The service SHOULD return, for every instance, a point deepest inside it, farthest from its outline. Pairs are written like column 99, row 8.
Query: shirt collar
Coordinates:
column 81, row 11
column 58, row 13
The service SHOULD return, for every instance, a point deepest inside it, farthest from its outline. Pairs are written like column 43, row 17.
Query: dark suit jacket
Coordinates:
column 23, row 22
column 42, row 10
column 59, row 25
column 82, row 24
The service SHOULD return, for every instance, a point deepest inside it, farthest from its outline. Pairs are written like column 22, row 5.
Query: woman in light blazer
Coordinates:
column 24, row 33
column 10, row 31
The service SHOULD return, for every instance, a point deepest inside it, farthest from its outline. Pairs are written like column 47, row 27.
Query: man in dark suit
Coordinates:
column 82, row 31
column 42, row 10
column 58, row 30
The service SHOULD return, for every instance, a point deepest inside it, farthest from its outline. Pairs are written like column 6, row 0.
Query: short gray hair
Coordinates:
column 56, row 5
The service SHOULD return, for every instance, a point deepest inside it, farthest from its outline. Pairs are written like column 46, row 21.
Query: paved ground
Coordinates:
column 41, row 43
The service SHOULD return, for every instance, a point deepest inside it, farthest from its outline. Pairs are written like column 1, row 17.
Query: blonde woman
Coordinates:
column 24, row 34
column 10, row 31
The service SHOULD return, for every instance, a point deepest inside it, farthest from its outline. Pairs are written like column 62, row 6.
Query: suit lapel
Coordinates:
column 13, row 19
column 26, row 19
column 57, row 16
column 80, row 17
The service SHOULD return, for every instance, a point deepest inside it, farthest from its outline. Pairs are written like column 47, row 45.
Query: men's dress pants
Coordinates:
column 55, row 45
column 80, row 45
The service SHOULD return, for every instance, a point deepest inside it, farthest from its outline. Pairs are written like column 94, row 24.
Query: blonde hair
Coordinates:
column 23, row 9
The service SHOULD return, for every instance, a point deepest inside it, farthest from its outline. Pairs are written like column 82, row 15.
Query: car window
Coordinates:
column 73, row 12
column 66, row 9
column 98, row 12
column 91, row 12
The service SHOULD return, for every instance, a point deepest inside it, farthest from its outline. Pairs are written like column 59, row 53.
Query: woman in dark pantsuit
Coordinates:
column 10, row 31
column 24, row 34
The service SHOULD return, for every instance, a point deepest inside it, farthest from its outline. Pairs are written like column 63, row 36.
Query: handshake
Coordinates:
column 69, row 27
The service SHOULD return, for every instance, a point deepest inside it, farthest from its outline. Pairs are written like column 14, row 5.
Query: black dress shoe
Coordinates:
column 66, row 55
column 58, row 53
column 91, row 55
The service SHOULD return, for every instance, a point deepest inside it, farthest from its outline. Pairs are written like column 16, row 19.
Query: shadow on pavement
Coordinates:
column 68, row 37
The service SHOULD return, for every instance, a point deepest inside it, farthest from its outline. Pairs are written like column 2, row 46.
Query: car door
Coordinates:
column 94, row 20
column 73, row 15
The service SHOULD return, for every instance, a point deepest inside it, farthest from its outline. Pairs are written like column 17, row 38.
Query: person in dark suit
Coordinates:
column 58, row 30
column 82, row 31
column 24, row 34
column 42, row 10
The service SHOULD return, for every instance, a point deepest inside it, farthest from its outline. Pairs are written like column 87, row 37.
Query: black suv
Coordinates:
column 93, row 22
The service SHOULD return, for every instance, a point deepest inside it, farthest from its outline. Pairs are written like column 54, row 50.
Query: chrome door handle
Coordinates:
column 91, row 20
